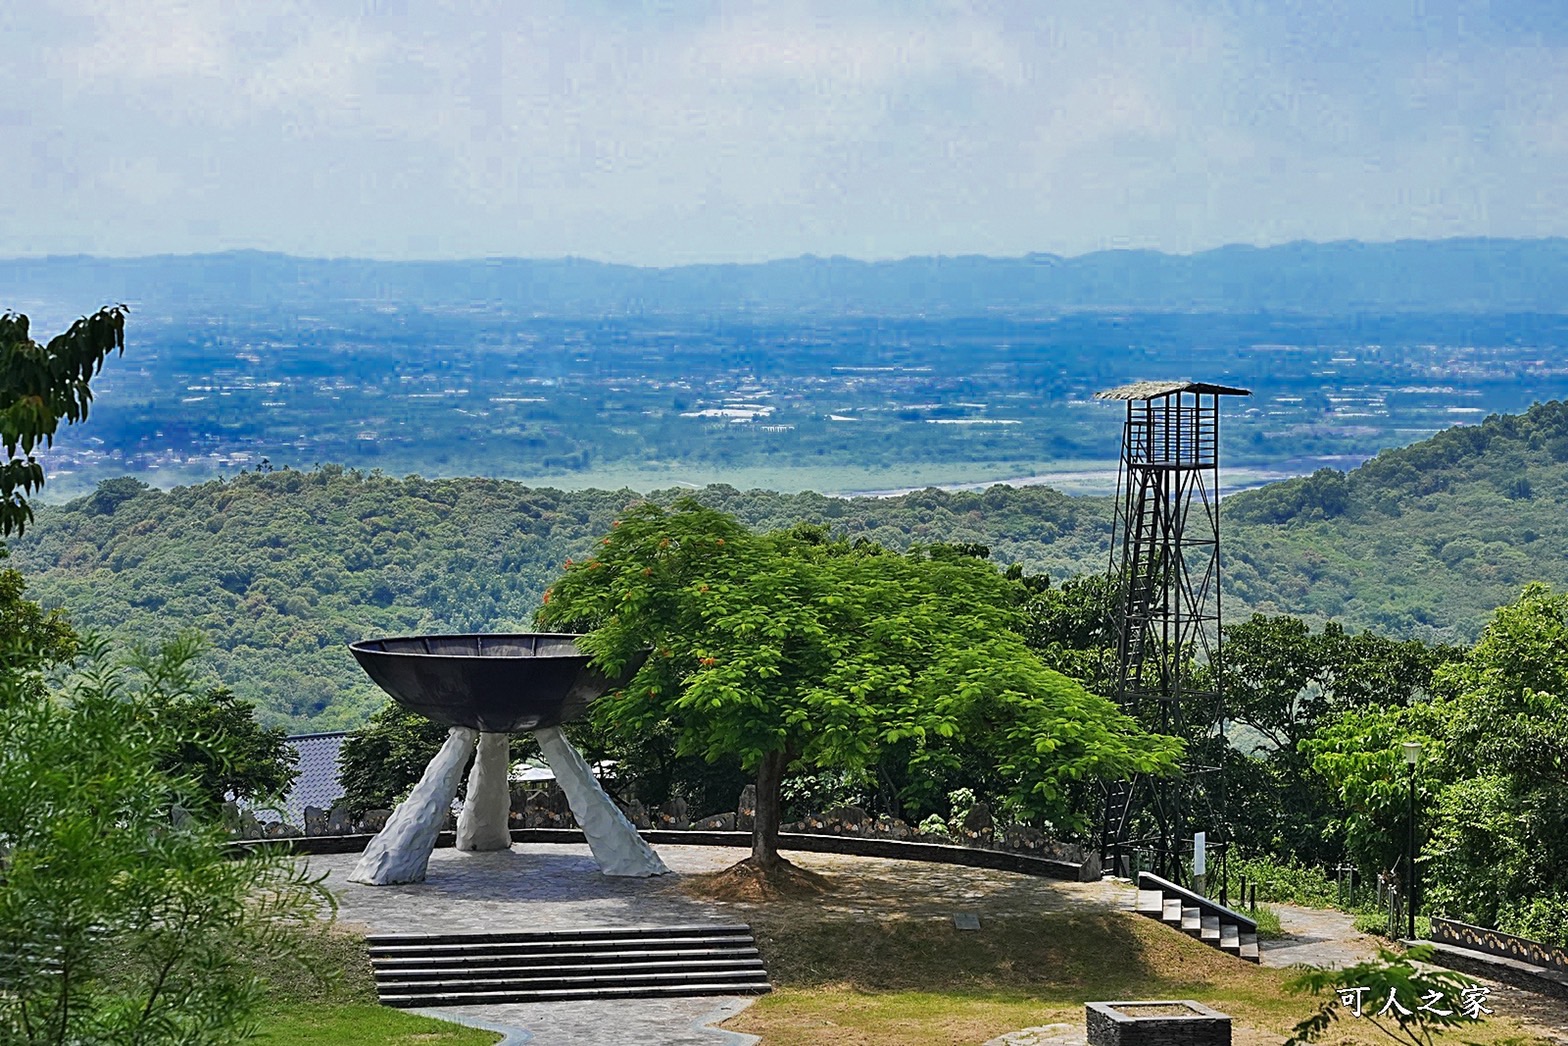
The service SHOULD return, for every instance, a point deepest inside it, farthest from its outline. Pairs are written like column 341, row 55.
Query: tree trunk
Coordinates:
column 765, row 830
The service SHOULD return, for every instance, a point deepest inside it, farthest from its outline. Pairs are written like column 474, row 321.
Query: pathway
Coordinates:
column 1317, row 937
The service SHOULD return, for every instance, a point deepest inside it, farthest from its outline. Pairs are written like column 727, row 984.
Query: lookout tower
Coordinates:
column 1165, row 559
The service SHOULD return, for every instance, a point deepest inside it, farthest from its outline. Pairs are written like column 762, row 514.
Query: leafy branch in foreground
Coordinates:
column 1412, row 1003
column 40, row 385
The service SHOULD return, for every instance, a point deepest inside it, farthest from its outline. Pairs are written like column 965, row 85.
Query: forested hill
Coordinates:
column 1425, row 540
column 1434, row 275
column 280, row 570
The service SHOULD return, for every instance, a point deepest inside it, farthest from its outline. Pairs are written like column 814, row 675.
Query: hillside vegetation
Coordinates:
column 281, row 569
column 1423, row 541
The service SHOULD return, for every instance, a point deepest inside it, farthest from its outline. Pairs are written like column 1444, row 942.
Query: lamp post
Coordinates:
column 1411, row 751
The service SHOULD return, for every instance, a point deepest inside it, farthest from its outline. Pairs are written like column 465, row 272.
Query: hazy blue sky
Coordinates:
column 660, row 133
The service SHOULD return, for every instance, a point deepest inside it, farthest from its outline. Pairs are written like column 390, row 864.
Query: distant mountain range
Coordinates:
column 1456, row 275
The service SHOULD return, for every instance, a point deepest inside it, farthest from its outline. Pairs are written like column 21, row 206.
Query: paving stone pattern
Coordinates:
column 543, row 886
column 1317, row 936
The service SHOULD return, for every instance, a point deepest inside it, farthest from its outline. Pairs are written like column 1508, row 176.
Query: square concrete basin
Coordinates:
column 1155, row 1022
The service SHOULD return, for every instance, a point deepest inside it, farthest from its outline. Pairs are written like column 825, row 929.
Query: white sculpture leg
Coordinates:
column 616, row 846
column 400, row 853
column 483, row 823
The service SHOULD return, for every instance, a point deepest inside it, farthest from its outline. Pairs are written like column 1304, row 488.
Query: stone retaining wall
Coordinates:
column 805, row 843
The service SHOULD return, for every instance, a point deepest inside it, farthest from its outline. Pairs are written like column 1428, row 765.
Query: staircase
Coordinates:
column 1197, row 916
column 633, row 962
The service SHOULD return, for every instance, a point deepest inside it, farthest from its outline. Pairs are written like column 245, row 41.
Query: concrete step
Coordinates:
column 396, row 966
column 1230, row 938
column 1249, row 947
column 525, row 970
column 617, row 933
column 604, row 979
column 629, row 962
column 467, row 948
column 603, row 992
column 1150, row 902
column 1209, row 930
column 1189, row 921
column 1172, row 912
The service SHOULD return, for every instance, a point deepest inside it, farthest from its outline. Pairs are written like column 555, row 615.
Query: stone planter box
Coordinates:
column 1155, row 1022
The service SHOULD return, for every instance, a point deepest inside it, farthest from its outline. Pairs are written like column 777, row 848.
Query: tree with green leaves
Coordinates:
column 1492, row 782
column 1357, row 754
column 1498, row 852
column 120, row 922
column 790, row 649
column 215, row 742
column 1286, row 684
column 380, row 762
column 40, row 385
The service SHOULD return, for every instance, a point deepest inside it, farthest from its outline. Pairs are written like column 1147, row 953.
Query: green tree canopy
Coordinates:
column 789, row 649
column 213, row 739
column 1499, row 838
column 1492, row 784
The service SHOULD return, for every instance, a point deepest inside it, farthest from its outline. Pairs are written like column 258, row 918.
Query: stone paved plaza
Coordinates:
column 545, row 886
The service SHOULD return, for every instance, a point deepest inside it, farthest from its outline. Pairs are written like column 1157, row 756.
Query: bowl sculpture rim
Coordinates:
column 582, row 686
column 361, row 643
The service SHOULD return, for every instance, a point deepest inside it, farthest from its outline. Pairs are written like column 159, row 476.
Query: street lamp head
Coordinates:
column 1411, row 750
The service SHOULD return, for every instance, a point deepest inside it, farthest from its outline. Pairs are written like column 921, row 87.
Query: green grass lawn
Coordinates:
column 843, row 981
column 324, row 995
column 356, row 1024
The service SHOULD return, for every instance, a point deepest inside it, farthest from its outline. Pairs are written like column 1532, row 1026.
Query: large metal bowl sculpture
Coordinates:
column 499, row 683
column 484, row 687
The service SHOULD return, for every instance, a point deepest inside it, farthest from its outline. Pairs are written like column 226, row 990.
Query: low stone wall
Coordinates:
column 1495, row 942
column 902, row 851
column 1518, row 961
column 546, row 810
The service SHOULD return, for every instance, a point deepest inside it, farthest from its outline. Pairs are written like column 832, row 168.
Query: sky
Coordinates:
column 672, row 133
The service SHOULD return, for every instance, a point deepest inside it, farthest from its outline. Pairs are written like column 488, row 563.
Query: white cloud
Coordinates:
column 725, row 130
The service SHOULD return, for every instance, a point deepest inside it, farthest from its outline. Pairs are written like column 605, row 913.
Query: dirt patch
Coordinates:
column 750, row 882
column 1156, row 1009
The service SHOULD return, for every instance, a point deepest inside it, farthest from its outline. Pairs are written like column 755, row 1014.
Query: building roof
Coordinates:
column 1148, row 390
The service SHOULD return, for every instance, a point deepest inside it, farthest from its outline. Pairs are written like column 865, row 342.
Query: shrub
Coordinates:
column 1543, row 919
column 1268, row 923
column 1282, row 882
column 935, row 825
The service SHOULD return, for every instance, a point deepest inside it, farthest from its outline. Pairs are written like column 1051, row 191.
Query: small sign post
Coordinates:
column 1199, row 862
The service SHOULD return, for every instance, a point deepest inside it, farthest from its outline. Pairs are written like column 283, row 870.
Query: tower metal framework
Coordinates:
column 1165, row 559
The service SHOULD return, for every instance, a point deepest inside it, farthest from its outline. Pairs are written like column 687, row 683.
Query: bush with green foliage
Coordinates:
column 216, row 743
column 1282, row 881
column 119, row 921
column 1543, row 919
